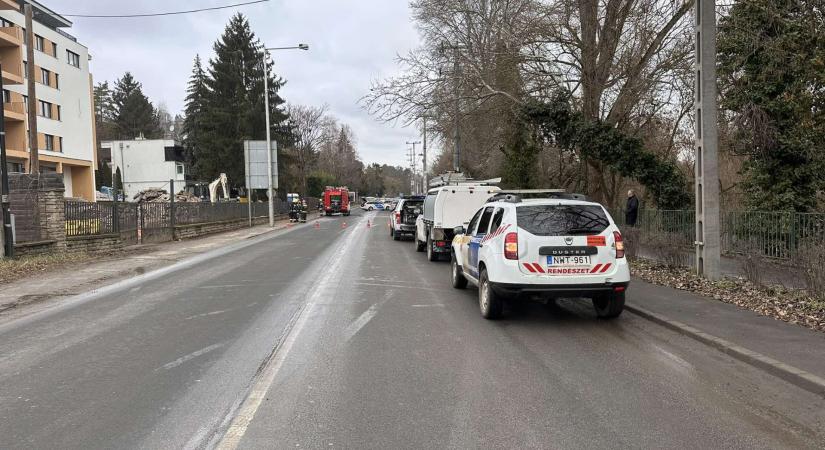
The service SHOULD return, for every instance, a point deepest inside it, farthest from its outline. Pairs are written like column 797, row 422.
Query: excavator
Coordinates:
column 213, row 188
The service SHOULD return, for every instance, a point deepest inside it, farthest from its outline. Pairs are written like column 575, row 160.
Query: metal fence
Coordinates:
column 769, row 234
column 152, row 221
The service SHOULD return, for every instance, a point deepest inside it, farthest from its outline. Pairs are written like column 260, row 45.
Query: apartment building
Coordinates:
column 65, row 106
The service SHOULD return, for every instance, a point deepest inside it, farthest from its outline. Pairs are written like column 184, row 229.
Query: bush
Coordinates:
column 667, row 248
column 810, row 258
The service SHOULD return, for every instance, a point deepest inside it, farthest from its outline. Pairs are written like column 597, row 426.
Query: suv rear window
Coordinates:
column 562, row 220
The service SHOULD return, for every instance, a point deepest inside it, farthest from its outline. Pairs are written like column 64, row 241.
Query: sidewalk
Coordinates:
column 787, row 343
column 63, row 282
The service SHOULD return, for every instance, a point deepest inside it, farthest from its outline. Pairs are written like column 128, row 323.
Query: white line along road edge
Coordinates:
column 240, row 423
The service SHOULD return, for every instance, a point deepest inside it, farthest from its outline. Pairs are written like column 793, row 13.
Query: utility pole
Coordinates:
column 707, row 143
column 6, row 236
column 412, row 166
column 424, row 180
column 269, row 190
column 456, row 111
column 34, row 156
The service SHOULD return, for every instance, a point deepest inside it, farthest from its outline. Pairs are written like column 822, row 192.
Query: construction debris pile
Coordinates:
column 160, row 195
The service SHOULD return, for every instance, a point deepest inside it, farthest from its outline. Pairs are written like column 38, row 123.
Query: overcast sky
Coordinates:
column 351, row 43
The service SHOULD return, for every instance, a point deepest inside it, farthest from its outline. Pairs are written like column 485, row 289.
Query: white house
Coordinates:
column 147, row 163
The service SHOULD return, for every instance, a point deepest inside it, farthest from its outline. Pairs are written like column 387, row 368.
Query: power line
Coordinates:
column 171, row 13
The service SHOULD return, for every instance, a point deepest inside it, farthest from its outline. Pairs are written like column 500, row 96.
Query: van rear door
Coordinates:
column 564, row 240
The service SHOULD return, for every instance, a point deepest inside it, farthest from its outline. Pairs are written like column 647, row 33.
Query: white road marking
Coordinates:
column 213, row 313
column 359, row 323
column 431, row 305
column 189, row 357
column 240, row 423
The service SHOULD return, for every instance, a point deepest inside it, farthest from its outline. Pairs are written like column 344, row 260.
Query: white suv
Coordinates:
column 556, row 246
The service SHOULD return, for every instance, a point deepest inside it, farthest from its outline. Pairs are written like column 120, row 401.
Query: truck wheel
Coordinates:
column 395, row 235
column 456, row 275
column 419, row 246
column 490, row 303
column 610, row 305
column 431, row 255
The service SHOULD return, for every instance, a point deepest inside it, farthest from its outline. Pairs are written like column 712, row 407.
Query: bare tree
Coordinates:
column 308, row 124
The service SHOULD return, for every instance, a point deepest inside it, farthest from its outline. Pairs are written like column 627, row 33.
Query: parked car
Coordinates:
column 541, row 249
column 372, row 206
column 445, row 208
column 402, row 220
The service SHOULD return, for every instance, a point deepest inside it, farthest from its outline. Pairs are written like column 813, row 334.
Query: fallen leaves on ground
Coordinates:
column 789, row 305
column 17, row 268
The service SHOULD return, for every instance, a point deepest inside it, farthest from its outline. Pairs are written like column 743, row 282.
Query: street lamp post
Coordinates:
column 270, row 190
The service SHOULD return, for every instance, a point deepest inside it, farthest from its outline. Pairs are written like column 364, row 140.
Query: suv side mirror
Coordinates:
column 458, row 230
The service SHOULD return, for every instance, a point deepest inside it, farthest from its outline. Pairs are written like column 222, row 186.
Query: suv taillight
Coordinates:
column 619, row 243
column 398, row 218
column 511, row 246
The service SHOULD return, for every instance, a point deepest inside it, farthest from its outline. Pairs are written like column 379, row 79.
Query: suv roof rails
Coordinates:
column 517, row 195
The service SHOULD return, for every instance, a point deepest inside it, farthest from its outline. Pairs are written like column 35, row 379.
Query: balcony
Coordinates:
column 9, row 4
column 14, row 111
column 11, row 36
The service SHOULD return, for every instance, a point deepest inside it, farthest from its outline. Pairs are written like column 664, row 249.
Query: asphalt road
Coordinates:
column 342, row 338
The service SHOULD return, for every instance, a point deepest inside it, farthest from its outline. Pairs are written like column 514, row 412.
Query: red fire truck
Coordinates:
column 336, row 200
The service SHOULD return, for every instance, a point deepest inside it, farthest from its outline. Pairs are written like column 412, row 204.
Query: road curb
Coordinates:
column 793, row 375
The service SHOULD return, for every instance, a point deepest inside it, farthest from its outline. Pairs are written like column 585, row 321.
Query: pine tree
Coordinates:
column 104, row 112
column 234, row 109
column 772, row 69
column 197, row 94
column 133, row 112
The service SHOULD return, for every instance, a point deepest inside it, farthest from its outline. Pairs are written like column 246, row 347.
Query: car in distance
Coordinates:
column 557, row 245
column 373, row 206
column 402, row 219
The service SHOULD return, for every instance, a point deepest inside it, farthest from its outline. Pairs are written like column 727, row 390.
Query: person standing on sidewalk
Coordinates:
column 632, row 209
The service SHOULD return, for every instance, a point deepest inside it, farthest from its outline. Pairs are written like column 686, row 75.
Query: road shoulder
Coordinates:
column 791, row 352
column 42, row 290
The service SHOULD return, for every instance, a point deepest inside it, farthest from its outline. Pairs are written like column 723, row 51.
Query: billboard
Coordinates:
column 254, row 153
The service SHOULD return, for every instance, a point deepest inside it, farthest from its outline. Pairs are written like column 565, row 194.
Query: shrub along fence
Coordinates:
column 779, row 235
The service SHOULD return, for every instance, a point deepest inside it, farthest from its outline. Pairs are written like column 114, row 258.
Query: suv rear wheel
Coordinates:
column 609, row 305
column 490, row 303
column 456, row 275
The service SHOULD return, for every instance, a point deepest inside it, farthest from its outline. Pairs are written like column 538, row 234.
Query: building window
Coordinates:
column 39, row 42
column 49, row 142
column 57, row 81
column 73, row 58
column 5, row 23
column 54, row 50
column 60, row 142
column 179, row 168
column 25, row 69
column 59, row 112
column 6, row 96
column 15, row 167
column 44, row 76
column 44, row 109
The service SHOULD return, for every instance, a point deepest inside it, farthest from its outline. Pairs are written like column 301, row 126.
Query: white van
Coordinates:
column 445, row 208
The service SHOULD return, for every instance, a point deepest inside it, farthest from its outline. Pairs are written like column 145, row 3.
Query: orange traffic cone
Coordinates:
column 317, row 225
column 343, row 224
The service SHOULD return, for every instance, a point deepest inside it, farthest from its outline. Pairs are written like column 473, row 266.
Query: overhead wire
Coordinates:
column 168, row 13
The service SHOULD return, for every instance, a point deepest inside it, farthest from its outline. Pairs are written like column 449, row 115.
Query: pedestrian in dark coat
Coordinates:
column 632, row 209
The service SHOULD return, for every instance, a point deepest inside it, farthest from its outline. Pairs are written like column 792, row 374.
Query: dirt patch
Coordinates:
column 789, row 305
column 15, row 269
